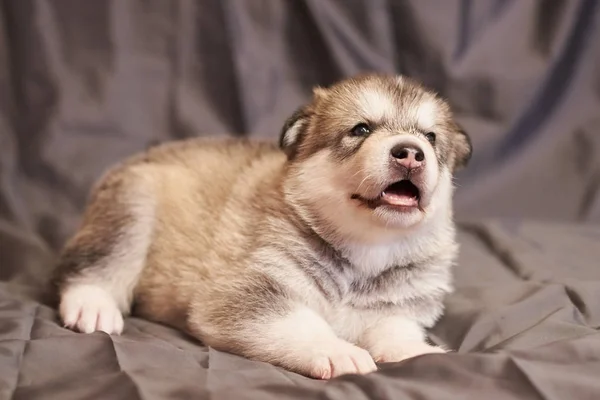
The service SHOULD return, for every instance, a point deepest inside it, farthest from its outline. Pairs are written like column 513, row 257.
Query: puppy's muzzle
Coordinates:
column 409, row 158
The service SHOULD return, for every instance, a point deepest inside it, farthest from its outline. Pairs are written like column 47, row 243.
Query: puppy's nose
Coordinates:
column 411, row 157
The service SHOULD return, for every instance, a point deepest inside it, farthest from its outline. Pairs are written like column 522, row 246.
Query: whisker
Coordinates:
column 361, row 182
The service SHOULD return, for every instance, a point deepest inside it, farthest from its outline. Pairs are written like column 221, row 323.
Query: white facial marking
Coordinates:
column 375, row 103
column 426, row 113
column 326, row 187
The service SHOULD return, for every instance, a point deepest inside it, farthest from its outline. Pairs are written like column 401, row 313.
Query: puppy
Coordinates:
column 322, row 255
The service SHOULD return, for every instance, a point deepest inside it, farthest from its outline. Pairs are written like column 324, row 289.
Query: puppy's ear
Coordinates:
column 319, row 92
column 293, row 131
column 463, row 148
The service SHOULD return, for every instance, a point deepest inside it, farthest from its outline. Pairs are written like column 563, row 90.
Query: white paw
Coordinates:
column 340, row 359
column 403, row 350
column 90, row 308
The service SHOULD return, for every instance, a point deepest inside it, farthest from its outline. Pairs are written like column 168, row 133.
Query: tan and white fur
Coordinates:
column 308, row 255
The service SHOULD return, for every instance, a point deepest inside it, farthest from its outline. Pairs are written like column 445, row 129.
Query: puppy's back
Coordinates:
column 212, row 196
column 156, row 223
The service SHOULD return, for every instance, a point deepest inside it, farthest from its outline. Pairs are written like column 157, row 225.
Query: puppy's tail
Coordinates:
column 100, row 266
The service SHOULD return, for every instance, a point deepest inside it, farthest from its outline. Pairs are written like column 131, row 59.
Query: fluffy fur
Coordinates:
column 288, row 254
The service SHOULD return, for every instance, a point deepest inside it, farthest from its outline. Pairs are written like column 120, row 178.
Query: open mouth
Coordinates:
column 401, row 194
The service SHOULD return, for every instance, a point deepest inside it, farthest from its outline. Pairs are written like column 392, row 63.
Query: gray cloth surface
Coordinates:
column 84, row 84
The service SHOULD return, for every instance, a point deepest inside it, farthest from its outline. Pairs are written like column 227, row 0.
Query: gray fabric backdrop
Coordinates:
column 85, row 83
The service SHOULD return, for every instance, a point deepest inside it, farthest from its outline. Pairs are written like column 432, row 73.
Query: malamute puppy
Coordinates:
column 322, row 255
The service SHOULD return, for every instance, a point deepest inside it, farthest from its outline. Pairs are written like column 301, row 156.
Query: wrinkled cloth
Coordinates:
column 85, row 84
column 523, row 323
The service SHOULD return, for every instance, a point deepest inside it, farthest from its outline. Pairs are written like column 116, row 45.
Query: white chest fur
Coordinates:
column 402, row 278
column 415, row 294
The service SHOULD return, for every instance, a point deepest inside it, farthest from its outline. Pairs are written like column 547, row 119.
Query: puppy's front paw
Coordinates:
column 340, row 359
column 403, row 350
column 89, row 308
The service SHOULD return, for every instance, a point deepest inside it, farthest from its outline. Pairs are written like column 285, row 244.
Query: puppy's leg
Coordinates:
column 100, row 266
column 261, row 323
column 395, row 338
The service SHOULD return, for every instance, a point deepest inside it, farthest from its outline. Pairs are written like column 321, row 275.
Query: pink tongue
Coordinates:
column 399, row 199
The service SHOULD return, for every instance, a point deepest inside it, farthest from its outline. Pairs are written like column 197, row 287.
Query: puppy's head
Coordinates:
column 373, row 151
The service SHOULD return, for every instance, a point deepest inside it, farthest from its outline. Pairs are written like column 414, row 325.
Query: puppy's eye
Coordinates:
column 360, row 130
column 431, row 137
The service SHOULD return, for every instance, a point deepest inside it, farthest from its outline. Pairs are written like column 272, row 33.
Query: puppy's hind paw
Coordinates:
column 89, row 308
column 406, row 350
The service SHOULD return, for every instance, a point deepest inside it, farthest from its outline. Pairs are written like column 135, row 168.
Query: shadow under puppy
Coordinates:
column 321, row 255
